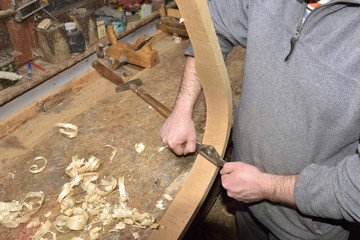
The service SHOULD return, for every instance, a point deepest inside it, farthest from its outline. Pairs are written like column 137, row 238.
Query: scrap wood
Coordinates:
column 10, row 76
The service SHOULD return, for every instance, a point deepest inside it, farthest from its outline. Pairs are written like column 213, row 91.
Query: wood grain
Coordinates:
column 213, row 76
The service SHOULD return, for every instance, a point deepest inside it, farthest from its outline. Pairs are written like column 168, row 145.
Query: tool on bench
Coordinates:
column 133, row 85
column 140, row 53
column 143, row 43
column 170, row 22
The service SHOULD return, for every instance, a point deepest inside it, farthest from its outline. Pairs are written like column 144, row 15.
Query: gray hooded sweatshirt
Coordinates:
column 299, row 111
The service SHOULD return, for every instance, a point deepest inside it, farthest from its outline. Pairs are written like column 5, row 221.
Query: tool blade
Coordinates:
column 210, row 153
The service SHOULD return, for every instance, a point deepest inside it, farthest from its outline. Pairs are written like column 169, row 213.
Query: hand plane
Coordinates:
column 140, row 53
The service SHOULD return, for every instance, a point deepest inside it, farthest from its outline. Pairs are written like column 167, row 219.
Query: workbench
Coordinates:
column 103, row 117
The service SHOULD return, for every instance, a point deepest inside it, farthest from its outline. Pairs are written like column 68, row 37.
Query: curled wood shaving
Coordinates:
column 68, row 129
column 79, row 165
column 44, row 229
column 79, row 219
column 14, row 213
column 105, row 187
column 139, row 147
column 66, row 191
column 61, row 224
column 34, row 168
column 113, row 153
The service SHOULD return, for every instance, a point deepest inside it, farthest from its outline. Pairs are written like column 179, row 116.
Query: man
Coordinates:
column 296, row 130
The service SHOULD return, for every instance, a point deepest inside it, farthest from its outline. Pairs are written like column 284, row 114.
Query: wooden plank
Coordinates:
column 213, row 75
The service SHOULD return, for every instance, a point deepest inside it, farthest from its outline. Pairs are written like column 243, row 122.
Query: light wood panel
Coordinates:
column 214, row 78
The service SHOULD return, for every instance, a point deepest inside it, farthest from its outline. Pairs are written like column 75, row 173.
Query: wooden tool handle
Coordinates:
column 100, row 51
column 158, row 106
column 104, row 70
column 111, row 34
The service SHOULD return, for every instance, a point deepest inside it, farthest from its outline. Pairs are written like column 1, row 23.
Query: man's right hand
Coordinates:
column 178, row 132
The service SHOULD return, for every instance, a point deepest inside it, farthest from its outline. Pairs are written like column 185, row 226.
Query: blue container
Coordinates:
column 118, row 27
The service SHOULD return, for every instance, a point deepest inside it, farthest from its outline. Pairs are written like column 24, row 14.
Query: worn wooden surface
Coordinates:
column 103, row 117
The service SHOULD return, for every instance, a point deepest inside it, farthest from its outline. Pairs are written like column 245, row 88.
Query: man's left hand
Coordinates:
column 242, row 181
column 247, row 183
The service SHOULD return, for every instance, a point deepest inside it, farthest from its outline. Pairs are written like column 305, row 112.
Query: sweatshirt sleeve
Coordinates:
column 230, row 23
column 330, row 192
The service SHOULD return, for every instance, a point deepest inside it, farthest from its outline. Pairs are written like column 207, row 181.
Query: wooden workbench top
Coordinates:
column 103, row 117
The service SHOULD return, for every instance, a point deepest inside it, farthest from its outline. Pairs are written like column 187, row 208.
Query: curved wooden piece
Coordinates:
column 213, row 76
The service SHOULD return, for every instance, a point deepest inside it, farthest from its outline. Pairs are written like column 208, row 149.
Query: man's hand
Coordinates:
column 178, row 132
column 247, row 183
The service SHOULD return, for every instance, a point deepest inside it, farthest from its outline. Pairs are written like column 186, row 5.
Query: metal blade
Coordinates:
column 210, row 153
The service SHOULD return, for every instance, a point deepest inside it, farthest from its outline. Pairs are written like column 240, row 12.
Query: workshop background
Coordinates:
column 42, row 41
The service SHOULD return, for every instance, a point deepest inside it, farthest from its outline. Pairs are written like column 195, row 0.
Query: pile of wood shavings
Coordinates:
column 102, row 205
column 12, row 214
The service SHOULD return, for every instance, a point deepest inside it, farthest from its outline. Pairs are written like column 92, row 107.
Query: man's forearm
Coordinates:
column 178, row 131
column 280, row 188
column 247, row 183
column 190, row 88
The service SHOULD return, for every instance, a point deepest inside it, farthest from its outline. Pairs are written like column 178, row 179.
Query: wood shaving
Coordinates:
column 159, row 204
column 168, row 197
column 68, row 129
column 14, row 213
column 33, row 223
column 163, row 148
column 94, row 233
column 136, row 235
column 43, row 230
column 113, row 153
column 139, row 147
column 34, row 168
column 48, row 214
column 120, row 226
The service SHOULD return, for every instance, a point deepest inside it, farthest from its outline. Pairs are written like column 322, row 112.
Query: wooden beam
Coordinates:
column 214, row 79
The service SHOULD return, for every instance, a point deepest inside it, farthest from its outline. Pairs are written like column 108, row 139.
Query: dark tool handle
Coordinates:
column 158, row 106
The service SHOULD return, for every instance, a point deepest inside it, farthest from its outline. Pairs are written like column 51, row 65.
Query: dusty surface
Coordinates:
column 105, row 117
